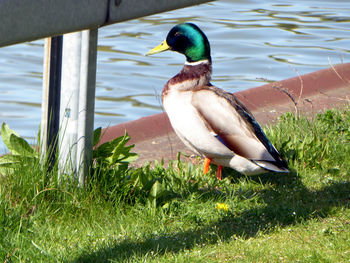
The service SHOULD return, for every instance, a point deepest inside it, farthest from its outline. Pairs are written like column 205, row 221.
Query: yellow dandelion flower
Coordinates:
column 222, row 206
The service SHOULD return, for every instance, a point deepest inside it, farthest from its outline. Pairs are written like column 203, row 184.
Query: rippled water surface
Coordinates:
column 253, row 42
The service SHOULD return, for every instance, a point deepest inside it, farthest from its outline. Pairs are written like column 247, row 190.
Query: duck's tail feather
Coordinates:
column 271, row 166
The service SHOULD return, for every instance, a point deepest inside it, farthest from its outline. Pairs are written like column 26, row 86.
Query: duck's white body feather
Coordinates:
column 208, row 121
column 195, row 134
column 189, row 126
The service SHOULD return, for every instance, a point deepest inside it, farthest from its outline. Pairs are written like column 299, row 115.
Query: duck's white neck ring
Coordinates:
column 205, row 61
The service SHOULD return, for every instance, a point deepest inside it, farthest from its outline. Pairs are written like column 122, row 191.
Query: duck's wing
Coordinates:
column 234, row 126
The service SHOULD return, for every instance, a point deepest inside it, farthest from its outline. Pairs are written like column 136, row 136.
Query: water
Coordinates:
column 253, row 42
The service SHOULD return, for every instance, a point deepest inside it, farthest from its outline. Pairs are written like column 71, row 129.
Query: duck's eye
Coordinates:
column 181, row 40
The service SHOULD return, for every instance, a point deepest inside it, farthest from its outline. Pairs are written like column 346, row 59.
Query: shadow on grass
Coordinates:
column 289, row 202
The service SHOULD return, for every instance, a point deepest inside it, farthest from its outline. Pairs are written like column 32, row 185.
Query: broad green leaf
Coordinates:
column 157, row 189
column 131, row 158
column 105, row 150
column 15, row 144
column 20, row 146
column 121, row 151
column 6, row 133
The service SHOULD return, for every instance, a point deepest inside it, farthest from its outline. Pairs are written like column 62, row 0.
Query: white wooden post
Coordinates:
column 77, row 102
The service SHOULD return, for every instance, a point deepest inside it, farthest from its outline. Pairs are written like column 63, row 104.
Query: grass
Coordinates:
column 170, row 214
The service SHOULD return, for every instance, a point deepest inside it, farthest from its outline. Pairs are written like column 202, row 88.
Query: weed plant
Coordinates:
column 171, row 214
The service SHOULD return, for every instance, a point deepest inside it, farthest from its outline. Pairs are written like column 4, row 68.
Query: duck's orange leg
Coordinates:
column 206, row 168
column 219, row 172
column 206, row 165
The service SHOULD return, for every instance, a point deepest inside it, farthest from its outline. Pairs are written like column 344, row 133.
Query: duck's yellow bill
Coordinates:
column 160, row 48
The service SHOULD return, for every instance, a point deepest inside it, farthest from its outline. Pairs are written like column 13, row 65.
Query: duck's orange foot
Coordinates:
column 219, row 172
column 206, row 165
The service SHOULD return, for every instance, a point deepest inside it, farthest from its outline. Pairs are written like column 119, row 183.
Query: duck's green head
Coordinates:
column 186, row 39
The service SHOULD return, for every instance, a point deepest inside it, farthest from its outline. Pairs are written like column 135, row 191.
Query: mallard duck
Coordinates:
column 213, row 123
